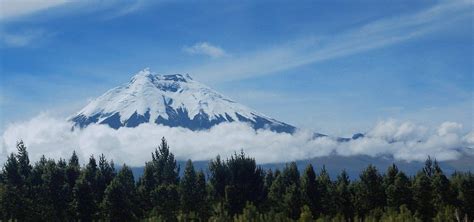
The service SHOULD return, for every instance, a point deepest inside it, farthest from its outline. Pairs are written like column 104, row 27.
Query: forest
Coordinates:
column 234, row 189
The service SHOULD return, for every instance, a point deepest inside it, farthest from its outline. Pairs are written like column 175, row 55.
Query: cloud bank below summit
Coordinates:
column 402, row 140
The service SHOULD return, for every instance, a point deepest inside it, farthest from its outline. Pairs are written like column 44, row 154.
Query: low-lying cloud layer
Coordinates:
column 402, row 140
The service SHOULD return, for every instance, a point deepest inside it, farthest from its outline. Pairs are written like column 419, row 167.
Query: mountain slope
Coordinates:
column 171, row 100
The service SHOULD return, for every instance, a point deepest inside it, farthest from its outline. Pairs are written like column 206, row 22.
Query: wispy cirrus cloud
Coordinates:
column 23, row 38
column 109, row 9
column 17, row 36
column 205, row 48
column 311, row 49
column 14, row 8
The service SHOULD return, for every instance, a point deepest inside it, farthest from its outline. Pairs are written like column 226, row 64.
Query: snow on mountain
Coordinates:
column 171, row 100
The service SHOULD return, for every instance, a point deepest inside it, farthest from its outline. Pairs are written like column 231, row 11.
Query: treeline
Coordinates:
column 235, row 189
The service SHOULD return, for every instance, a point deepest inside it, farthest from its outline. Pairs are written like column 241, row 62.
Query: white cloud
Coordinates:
column 15, row 8
column 22, row 39
column 53, row 138
column 311, row 49
column 391, row 130
column 449, row 128
column 205, row 48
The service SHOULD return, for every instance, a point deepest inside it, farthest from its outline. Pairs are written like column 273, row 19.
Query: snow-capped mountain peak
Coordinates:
column 174, row 100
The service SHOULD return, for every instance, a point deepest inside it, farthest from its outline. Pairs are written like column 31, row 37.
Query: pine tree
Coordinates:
column 13, row 198
column 53, row 191
column 24, row 166
column 268, row 180
column 275, row 194
column 463, row 184
column 84, row 204
column 188, row 189
column 370, row 194
column 162, row 170
column 120, row 202
column 291, row 175
column 422, row 196
column 3, row 200
column 428, row 168
column 86, row 193
column 202, row 203
column 400, row 193
column 38, row 190
column 18, row 193
column 397, row 188
column 245, row 183
column 11, row 173
column 165, row 165
column 309, row 190
column 269, row 177
column 292, row 201
column 442, row 192
column 390, row 176
column 291, row 186
column 325, row 189
column 218, row 178
column 105, row 175
column 343, row 195
column 165, row 199
column 73, row 171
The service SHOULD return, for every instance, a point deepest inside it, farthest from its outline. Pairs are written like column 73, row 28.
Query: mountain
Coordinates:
column 171, row 100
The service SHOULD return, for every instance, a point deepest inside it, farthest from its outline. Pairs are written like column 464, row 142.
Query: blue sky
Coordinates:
column 336, row 67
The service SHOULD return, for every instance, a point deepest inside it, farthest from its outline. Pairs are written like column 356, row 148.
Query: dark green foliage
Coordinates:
column 17, row 190
column 326, row 191
column 73, row 171
column 12, row 196
column 275, row 195
column 105, row 175
column 291, row 175
column 53, row 191
column 284, row 195
column 423, row 196
column 162, row 170
column 187, row 189
column 397, row 188
column 292, row 201
column 239, row 180
column 120, row 203
column 400, row 193
column 165, row 199
column 218, row 178
column 309, row 190
column 463, row 184
column 237, row 190
column 202, row 200
column 369, row 192
column 442, row 192
column 192, row 189
column 84, row 202
column 24, row 166
column 343, row 195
